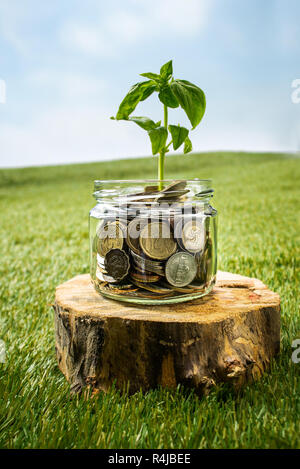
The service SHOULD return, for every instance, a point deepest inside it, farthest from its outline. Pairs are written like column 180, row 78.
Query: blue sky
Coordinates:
column 68, row 64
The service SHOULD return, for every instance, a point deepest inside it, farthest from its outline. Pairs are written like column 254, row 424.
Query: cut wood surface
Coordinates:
column 230, row 335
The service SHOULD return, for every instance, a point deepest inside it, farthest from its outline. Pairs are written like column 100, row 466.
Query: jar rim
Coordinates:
column 120, row 190
column 141, row 181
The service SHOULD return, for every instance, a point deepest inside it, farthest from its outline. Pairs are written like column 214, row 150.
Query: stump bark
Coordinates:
column 230, row 335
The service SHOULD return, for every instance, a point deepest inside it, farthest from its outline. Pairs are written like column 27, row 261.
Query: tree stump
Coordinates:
column 229, row 335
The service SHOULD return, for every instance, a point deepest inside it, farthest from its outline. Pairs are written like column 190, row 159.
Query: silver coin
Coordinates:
column 193, row 236
column 104, row 278
column 100, row 261
column 181, row 269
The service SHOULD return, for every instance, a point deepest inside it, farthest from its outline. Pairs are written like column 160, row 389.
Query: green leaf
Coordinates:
column 179, row 134
column 166, row 70
column 144, row 122
column 187, row 145
column 167, row 97
column 138, row 92
column 148, row 91
column 191, row 99
column 158, row 139
column 152, row 76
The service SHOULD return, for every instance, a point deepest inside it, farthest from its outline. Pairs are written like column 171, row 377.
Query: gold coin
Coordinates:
column 156, row 240
column 141, row 269
column 150, row 189
column 193, row 286
column 171, row 195
column 119, row 289
column 177, row 289
column 133, row 232
column 117, row 264
column 110, row 236
column 154, row 288
column 122, row 286
column 175, row 186
column 147, row 265
column 144, row 277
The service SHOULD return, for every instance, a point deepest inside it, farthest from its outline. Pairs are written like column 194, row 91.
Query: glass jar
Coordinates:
column 153, row 242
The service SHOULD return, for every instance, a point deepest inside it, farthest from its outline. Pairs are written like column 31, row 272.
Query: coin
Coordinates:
column 154, row 288
column 104, row 278
column 156, row 240
column 100, row 261
column 181, row 269
column 175, row 186
column 177, row 289
column 204, row 193
column 141, row 269
column 101, row 269
column 110, row 236
column 133, row 232
column 196, row 287
column 123, row 289
column 123, row 286
column 141, row 197
column 151, row 295
column 141, row 258
column 170, row 196
column 150, row 189
column 147, row 264
column 117, row 264
column 193, row 236
column 144, row 277
column 137, row 292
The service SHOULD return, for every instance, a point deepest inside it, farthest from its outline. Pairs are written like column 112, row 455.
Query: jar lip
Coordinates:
column 141, row 181
column 120, row 190
column 132, row 190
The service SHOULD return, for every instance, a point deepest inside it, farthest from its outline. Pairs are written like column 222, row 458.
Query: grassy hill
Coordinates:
column 44, row 241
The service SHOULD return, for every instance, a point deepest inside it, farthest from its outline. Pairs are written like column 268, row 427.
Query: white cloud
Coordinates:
column 144, row 21
column 86, row 39
column 124, row 26
column 67, row 85
column 70, row 135
column 65, row 135
column 10, row 24
column 182, row 17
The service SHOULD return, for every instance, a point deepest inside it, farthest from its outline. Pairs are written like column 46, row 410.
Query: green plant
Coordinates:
column 172, row 93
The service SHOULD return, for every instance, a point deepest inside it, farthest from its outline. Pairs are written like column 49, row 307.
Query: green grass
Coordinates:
column 44, row 241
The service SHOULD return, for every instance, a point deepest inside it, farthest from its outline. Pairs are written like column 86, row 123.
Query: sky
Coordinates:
column 66, row 65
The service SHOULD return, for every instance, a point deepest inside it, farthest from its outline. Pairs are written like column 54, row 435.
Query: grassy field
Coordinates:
column 44, row 241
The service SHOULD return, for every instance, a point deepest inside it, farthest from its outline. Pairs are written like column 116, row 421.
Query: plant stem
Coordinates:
column 161, row 160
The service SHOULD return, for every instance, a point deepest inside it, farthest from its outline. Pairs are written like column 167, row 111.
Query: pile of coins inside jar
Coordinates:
column 154, row 245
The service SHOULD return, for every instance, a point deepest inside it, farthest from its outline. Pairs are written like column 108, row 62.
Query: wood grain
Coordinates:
column 229, row 335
